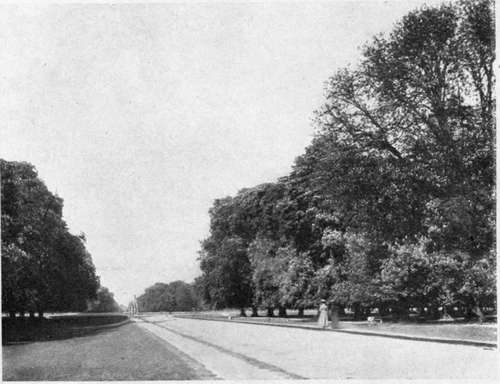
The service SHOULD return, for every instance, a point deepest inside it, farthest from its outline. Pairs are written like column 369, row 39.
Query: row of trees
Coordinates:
column 104, row 302
column 44, row 266
column 174, row 296
column 392, row 204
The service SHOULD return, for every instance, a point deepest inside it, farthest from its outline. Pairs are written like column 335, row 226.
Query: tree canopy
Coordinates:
column 174, row 296
column 104, row 302
column 392, row 204
column 44, row 266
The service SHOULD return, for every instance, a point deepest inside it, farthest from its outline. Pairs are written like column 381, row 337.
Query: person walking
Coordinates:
column 323, row 314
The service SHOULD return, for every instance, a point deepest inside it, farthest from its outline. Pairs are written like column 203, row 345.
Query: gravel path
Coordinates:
column 330, row 355
column 226, row 364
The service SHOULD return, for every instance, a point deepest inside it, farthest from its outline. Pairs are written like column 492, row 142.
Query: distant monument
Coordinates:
column 133, row 307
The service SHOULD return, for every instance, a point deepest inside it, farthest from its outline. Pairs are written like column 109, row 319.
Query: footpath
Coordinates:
column 344, row 328
column 224, row 363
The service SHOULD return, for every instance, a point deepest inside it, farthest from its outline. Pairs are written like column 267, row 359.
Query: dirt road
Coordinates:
column 249, row 351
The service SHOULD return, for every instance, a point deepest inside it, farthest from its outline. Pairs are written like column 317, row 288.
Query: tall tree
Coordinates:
column 51, row 269
column 395, row 194
column 227, row 273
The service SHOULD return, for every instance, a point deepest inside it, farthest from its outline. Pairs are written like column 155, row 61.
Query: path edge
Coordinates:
column 468, row 342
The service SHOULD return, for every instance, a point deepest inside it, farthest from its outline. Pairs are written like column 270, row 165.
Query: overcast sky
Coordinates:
column 139, row 115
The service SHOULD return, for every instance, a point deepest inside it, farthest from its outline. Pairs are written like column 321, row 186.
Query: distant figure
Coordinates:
column 323, row 314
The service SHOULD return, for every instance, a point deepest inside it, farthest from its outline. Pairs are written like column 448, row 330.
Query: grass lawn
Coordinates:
column 122, row 353
column 463, row 330
column 470, row 331
column 54, row 327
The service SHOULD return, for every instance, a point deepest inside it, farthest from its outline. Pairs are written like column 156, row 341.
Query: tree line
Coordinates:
column 103, row 302
column 392, row 204
column 174, row 296
column 44, row 266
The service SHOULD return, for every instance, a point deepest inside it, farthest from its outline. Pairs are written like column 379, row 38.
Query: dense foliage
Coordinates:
column 44, row 267
column 174, row 296
column 104, row 302
column 392, row 204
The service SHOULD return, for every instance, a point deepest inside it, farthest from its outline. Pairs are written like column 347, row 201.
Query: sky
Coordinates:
column 140, row 115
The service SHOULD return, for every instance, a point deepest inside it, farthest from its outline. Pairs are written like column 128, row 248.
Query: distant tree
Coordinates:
column 174, row 296
column 105, row 302
column 156, row 298
column 184, row 296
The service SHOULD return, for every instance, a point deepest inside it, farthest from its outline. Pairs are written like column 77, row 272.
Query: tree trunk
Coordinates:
column 357, row 311
column 334, row 316
column 270, row 312
column 341, row 310
column 21, row 314
column 469, row 314
column 32, row 314
column 40, row 314
column 281, row 311
column 479, row 313
column 422, row 316
column 255, row 313
column 401, row 310
column 445, row 315
column 433, row 312
column 301, row 312
column 12, row 314
column 242, row 312
column 382, row 310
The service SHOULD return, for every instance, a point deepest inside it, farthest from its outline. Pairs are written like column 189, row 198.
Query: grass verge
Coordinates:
column 54, row 328
column 486, row 332
column 467, row 331
column 123, row 353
